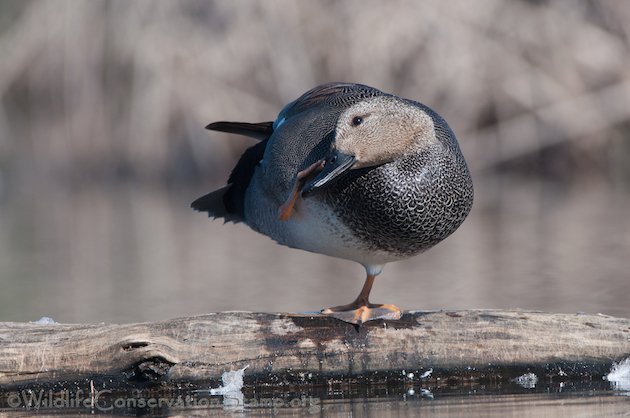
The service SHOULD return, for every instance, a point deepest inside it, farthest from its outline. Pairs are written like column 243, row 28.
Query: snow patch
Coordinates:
column 44, row 320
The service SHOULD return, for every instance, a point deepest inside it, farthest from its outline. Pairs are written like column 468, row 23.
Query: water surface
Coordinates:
column 574, row 399
column 130, row 253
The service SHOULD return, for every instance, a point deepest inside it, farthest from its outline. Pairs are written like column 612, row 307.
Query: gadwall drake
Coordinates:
column 351, row 172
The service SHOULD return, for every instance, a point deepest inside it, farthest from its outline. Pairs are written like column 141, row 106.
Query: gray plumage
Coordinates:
column 407, row 188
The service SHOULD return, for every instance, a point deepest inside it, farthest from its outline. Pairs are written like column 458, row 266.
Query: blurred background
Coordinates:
column 102, row 149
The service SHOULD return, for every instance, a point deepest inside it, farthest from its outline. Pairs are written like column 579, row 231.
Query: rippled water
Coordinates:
column 125, row 254
column 583, row 399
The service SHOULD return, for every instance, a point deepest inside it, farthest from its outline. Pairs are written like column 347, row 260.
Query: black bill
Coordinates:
column 336, row 164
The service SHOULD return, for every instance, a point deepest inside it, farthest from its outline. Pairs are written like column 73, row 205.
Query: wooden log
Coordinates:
column 298, row 348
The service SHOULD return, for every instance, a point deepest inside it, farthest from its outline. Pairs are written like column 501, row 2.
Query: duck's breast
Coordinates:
column 406, row 206
column 314, row 226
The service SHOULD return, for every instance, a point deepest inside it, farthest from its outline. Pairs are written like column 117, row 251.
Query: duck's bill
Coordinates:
column 335, row 166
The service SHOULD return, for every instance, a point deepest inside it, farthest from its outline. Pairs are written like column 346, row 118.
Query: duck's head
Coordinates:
column 372, row 132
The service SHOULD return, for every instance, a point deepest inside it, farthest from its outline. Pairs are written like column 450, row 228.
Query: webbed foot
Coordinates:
column 287, row 208
column 359, row 314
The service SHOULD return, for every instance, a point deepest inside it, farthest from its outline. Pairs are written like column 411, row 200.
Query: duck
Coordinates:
column 352, row 172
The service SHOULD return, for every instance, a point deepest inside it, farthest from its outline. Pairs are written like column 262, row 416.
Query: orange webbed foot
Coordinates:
column 286, row 210
column 358, row 315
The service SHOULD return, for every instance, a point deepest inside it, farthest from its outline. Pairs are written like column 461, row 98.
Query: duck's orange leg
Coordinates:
column 361, row 310
column 286, row 209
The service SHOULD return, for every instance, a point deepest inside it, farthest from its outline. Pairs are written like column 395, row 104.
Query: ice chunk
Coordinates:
column 232, row 382
column 619, row 375
column 528, row 380
column 233, row 398
column 426, row 393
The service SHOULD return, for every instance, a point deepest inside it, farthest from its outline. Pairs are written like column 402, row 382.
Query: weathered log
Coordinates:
column 299, row 348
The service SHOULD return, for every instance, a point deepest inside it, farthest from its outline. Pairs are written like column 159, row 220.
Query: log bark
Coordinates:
column 306, row 349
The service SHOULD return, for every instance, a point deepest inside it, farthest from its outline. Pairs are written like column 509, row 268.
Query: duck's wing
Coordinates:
column 228, row 201
column 293, row 147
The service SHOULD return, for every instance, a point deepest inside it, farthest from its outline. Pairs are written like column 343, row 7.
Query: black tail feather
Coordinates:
column 214, row 204
column 228, row 202
column 260, row 131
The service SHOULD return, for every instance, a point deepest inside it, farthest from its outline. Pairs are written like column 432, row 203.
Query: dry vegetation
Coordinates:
column 112, row 89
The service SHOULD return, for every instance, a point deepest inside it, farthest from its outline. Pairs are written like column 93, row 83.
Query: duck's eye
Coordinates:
column 357, row 120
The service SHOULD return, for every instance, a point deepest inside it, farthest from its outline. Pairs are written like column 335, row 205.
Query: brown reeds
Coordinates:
column 118, row 88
